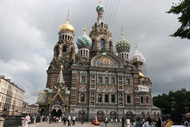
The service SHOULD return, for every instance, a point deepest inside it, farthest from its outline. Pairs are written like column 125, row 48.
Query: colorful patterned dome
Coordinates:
column 100, row 8
column 84, row 40
column 66, row 27
column 123, row 45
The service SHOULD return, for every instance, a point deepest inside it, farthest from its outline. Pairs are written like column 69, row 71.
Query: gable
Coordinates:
column 106, row 59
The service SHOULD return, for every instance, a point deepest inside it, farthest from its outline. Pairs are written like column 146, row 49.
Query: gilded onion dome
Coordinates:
column 67, row 27
column 123, row 44
column 84, row 40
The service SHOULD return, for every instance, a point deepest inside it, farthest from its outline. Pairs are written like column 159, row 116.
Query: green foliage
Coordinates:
column 184, row 10
column 164, row 101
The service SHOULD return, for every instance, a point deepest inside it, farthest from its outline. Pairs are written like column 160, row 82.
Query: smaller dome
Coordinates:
column 67, row 27
column 123, row 45
column 138, row 57
column 84, row 40
column 100, row 8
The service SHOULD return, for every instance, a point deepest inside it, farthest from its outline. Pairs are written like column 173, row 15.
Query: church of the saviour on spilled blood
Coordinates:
column 96, row 80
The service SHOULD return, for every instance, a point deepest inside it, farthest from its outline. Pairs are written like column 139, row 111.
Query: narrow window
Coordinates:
column 113, row 98
column 106, row 98
column 147, row 100
column 99, row 97
column 100, row 79
column 102, row 44
column 82, row 97
column 83, row 79
column 142, row 99
column 106, row 80
column 128, row 99
column 128, row 82
column 113, row 80
column 64, row 49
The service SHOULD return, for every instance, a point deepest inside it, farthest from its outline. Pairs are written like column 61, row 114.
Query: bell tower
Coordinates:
column 64, row 54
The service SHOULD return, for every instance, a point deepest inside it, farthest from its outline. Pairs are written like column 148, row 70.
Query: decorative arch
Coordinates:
column 57, row 107
column 113, row 90
column 106, row 90
column 82, row 89
column 99, row 90
column 106, row 59
column 128, row 91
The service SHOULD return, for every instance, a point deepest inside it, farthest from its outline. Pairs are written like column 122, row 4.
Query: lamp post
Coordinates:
column 82, row 99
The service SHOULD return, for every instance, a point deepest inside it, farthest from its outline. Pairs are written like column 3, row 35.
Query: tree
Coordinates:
column 183, row 8
column 164, row 101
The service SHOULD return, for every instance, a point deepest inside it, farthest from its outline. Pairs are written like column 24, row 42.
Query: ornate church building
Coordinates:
column 96, row 80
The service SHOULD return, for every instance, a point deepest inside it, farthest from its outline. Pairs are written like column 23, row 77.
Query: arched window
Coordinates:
column 93, row 45
column 142, row 99
column 102, row 44
column 64, row 49
column 147, row 99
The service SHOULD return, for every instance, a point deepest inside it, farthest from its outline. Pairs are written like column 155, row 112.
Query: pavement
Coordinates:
column 78, row 124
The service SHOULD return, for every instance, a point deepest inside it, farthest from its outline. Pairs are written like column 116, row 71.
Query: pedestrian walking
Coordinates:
column 73, row 119
column 27, row 120
column 148, row 122
column 105, row 121
column 69, row 120
column 138, row 122
column 64, row 120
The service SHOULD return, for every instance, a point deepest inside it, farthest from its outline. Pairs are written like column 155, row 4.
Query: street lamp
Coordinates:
column 82, row 99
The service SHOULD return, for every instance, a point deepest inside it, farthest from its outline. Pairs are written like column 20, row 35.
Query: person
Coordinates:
column 27, row 120
column 186, row 123
column 148, row 122
column 137, row 123
column 176, row 118
column 159, row 122
column 73, row 119
column 105, row 121
column 123, row 122
column 69, row 120
column 64, row 120
column 95, row 121
column 169, row 122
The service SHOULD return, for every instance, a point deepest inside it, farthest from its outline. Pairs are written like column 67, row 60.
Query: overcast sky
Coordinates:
column 29, row 31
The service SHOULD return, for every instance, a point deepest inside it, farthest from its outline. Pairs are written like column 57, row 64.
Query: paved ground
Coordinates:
column 78, row 124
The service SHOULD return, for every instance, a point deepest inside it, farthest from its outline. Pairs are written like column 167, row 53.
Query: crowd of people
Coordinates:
column 176, row 120
column 69, row 119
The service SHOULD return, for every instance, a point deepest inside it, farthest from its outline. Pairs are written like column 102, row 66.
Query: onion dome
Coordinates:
column 123, row 44
column 66, row 27
column 137, row 57
column 84, row 40
column 141, row 75
column 100, row 8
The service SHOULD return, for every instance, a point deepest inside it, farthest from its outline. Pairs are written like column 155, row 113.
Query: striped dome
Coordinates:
column 84, row 40
column 100, row 8
column 123, row 45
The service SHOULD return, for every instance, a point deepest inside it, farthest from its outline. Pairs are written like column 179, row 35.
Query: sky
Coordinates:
column 29, row 32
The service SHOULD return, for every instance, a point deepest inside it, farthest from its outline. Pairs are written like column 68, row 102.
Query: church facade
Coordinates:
column 96, row 81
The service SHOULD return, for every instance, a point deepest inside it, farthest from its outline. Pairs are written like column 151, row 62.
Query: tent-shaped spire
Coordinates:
column 60, row 79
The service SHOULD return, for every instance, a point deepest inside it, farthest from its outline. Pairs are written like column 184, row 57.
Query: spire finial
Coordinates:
column 100, row 1
column 68, row 17
column 61, row 66
column 122, row 33
column 85, row 27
